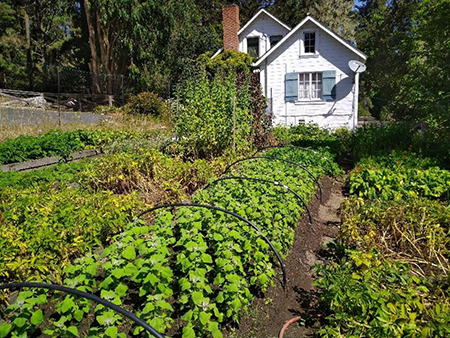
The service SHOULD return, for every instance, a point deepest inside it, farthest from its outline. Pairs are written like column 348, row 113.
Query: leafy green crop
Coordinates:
column 369, row 296
column 392, row 280
column 42, row 230
column 197, row 268
column 57, row 143
column 399, row 176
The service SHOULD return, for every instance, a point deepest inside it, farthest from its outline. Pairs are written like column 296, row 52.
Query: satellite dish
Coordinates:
column 356, row 66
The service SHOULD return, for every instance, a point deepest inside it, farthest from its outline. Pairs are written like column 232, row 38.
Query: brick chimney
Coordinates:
column 230, row 17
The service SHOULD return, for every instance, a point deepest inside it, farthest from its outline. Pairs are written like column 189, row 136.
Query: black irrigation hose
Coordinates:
column 265, row 181
column 297, row 147
column 281, row 160
column 211, row 207
column 89, row 296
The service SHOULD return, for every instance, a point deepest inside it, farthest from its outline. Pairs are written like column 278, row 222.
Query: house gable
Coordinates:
column 327, row 82
column 311, row 24
column 264, row 27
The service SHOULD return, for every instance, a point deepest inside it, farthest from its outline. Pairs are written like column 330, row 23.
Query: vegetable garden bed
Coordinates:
column 175, row 272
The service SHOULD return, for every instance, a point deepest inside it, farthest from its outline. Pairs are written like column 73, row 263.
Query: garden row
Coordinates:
column 187, row 272
column 63, row 143
column 391, row 275
column 51, row 216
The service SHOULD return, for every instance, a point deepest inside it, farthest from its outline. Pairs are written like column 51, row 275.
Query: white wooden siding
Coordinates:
column 263, row 27
column 286, row 59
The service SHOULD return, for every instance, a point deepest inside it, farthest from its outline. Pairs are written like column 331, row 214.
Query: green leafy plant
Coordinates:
column 373, row 297
column 178, row 266
column 43, row 230
column 57, row 143
column 400, row 176
column 414, row 232
column 203, row 118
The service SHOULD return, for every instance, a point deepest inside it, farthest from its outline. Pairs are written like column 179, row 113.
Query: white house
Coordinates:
column 304, row 71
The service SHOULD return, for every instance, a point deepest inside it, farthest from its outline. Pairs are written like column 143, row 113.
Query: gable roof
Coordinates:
column 317, row 23
column 260, row 12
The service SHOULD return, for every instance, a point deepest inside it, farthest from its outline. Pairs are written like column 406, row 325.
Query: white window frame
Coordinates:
column 259, row 43
column 316, row 43
column 310, row 97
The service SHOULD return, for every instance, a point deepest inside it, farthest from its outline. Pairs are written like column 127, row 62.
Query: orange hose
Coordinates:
column 293, row 320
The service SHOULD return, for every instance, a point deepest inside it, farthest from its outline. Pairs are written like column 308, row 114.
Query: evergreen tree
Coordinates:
column 338, row 15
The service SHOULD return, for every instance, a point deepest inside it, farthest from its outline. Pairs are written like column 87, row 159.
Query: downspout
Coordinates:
column 356, row 94
column 266, row 74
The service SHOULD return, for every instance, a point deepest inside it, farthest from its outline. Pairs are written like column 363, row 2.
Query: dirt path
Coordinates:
column 268, row 315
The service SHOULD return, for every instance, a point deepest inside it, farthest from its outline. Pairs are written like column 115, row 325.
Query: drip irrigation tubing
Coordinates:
column 89, row 296
column 265, row 181
column 286, row 325
column 297, row 147
column 211, row 207
column 281, row 160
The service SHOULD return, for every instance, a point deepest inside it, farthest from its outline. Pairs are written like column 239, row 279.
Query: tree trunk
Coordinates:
column 93, row 65
column 105, row 48
column 29, row 55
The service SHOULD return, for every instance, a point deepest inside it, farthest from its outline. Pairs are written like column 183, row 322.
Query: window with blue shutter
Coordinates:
column 291, row 89
column 329, row 85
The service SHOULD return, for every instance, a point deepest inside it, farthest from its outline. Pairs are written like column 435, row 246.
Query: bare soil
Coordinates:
column 269, row 313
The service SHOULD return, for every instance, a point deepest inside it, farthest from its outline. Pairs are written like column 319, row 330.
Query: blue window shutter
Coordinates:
column 329, row 85
column 291, row 87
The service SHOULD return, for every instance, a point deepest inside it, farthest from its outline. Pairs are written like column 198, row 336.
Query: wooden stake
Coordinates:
column 234, row 124
column 59, row 92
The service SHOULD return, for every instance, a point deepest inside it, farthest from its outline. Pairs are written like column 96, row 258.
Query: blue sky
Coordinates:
column 358, row 2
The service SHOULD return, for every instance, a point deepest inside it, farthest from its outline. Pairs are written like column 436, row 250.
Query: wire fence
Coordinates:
column 57, row 87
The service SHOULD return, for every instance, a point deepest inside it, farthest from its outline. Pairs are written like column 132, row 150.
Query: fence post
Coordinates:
column 59, row 92
column 122, row 91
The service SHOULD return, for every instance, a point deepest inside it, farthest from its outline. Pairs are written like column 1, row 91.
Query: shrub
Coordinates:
column 375, row 140
column 105, row 110
column 225, row 63
column 147, row 103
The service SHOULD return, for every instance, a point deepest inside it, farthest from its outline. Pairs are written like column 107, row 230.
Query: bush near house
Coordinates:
column 146, row 103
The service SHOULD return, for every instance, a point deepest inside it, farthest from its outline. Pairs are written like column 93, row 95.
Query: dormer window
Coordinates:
column 310, row 42
column 274, row 39
column 253, row 47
